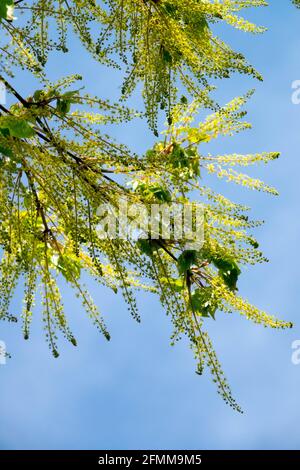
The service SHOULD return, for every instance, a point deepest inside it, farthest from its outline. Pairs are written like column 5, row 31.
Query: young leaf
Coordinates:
column 186, row 260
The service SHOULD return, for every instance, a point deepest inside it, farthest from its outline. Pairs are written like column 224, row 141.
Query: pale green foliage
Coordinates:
column 57, row 166
column 159, row 42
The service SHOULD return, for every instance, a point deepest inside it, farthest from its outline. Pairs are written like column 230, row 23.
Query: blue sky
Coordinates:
column 137, row 391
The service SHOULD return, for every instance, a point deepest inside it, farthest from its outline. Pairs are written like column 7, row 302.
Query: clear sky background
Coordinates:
column 138, row 392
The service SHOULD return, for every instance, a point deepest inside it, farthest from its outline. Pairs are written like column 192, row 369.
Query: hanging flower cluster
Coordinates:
column 57, row 166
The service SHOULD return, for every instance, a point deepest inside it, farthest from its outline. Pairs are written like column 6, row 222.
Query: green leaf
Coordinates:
column 169, row 8
column 6, row 151
column 71, row 96
column 4, row 131
column 228, row 270
column 186, row 260
column 183, row 100
column 69, row 266
column 63, row 103
column 176, row 284
column 17, row 127
column 199, row 24
column 38, row 94
column 186, row 159
column 161, row 193
column 166, row 56
column 147, row 247
column 63, row 106
column 204, row 302
column 153, row 190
